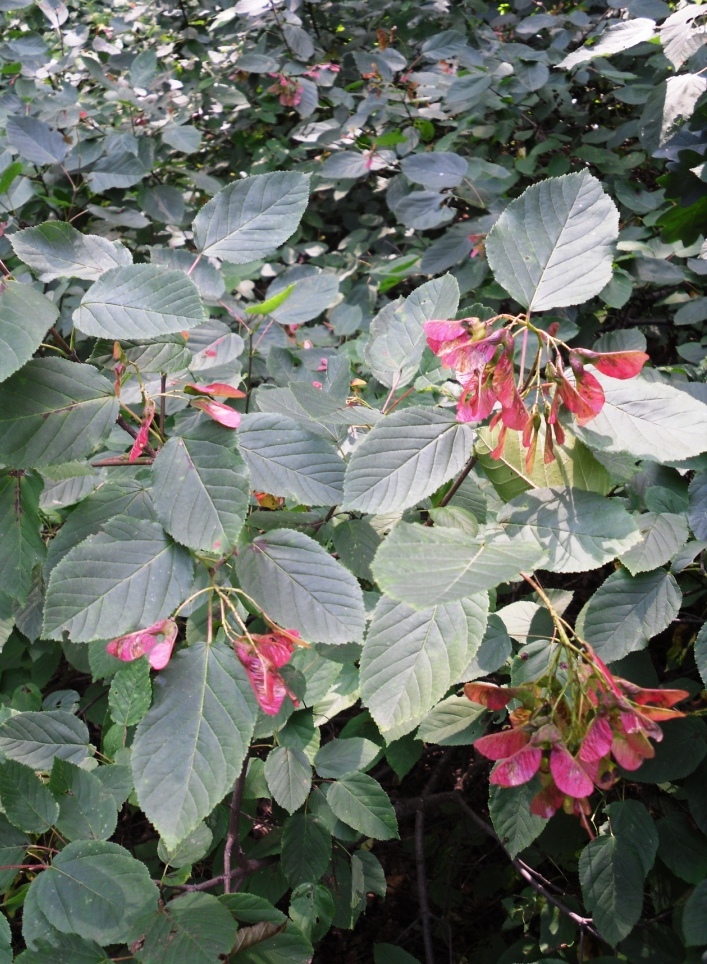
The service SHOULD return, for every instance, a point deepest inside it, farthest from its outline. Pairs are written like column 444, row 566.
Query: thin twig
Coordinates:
column 422, row 895
column 163, row 404
column 526, row 872
column 456, row 485
column 233, row 834
column 64, row 345
column 236, row 876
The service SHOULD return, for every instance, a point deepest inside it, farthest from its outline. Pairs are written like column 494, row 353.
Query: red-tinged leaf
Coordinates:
column 585, row 398
column 659, row 714
column 546, row 803
column 633, row 722
column 569, row 775
column 626, row 755
column 223, row 414
column 143, row 435
column 498, row 746
column 513, row 411
column 217, row 389
column 156, row 642
column 440, row 333
column 597, row 742
column 489, row 695
column 518, row 769
column 615, row 364
column 658, row 697
column 262, row 656
column 478, row 398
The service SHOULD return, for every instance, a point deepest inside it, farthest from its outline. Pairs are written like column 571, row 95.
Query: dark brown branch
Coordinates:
column 456, row 485
column 233, row 834
column 127, row 427
column 163, row 404
column 64, row 345
column 121, row 460
column 236, row 876
column 527, row 873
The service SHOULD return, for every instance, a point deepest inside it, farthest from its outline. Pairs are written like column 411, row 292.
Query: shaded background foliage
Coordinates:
column 403, row 131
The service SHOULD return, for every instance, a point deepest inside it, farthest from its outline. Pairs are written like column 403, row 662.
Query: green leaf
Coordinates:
column 574, row 466
column 183, row 138
column 201, row 489
column 662, row 535
column 697, row 511
column 194, row 927
column 194, row 847
column 434, row 170
column 57, row 250
column 362, row 803
column 286, row 460
column 25, row 317
column 683, row 849
column 694, row 918
column 356, row 543
column 121, row 497
column 252, row 909
column 455, row 721
column 627, row 611
column 553, row 246
column 95, row 889
column 53, row 411
column 424, row 567
column 35, row 140
column 409, row 661
column 36, row 738
column 681, row 34
column 389, row 954
column 27, row 802
column 126, row 577
column 64, row 949
column 189, row 748
column 397, row 338
column 264, row 947
column 648, row 420
column 251, row 217
column 405, row 458
column 289, row 776
column 13, row 846
column 139, row 301
column 341, row 756
column 611, row 876
column 579, row 530
column 701, row 653
column 633, row 826
column 301, row 587
column 314, row 291
column 21, row 547
column 678, row 754
column 509, row 809
column 265, row 307
column 615, row 39
column 130, row 693
column 306, row 849
column 87, row 809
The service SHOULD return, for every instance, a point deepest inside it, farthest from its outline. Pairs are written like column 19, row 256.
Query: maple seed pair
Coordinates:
column 483, row 360
column 262, row 655
column 575, row 741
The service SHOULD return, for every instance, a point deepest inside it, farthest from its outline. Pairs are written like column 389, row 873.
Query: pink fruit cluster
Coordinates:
column 574, row 739
column 263, row 656
column 483, row 361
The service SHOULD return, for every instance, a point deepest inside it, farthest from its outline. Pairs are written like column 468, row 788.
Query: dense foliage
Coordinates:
column 353, row 430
